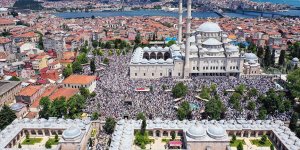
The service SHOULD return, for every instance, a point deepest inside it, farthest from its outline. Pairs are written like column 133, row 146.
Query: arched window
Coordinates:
column 146, row 56
column 167, row 56
column 152, row 55
column 159, row 55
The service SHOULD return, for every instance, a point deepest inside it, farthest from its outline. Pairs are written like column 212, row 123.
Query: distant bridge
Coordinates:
column 261, row 13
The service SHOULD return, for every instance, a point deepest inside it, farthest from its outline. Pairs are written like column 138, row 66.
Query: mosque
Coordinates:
column 207, row 52
column 205, row 134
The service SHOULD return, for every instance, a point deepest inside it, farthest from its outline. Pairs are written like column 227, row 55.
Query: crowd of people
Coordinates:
column 116, row 95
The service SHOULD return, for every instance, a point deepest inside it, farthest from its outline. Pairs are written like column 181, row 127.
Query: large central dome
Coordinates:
column 209, row 27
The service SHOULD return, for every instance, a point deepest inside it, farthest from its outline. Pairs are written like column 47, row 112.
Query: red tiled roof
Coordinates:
column 79, row 79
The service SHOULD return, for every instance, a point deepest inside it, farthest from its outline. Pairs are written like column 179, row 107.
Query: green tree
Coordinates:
column 294, row 82
column 173, row 136
column 184, row 111
column 84, row 92
column 7, row 116
column 75, row 105
column 67, row 71
column 205, row 93
column 252, row 92
column 140, row 116
column 281, row 60
column 48, row 144
column 240, row 89
column 14, row 78
column 267, row 57
column 19, row 145
column 179, row 90
column 109, row 125
column 235, row 100
column 251, row 106
column 45, row 105
column 95, row 116
column 273, row 57
column 263, row 139
column 110, row 53
column 143, row 127
column 58, row 107
column 293, row 121
column 100, row 52
column 76, row 67
column 262, row 114
column 240, row 146
column 272, row 147
column 214, row 108
column 82, row 58
column 137, row 39
column 170, row 43
column 95, row 44
column 106, row 61
column 56, row 138
column 92, row 66
column 233, row 139
column 260, row 52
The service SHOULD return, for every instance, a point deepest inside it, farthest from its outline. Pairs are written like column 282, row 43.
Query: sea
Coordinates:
column 69, row 15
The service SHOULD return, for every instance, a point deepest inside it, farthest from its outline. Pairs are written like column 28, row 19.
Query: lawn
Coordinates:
column 259, row 144
column 32, row 141
column 236, row 143
column 52, row 141
column 165, row 140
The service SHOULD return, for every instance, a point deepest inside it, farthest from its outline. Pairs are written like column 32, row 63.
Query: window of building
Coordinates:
column 178, row 74
column 230, row 67
column 160, row 74
column 203, row 68
column 210, row 67
column 135, row 74
column 197, row 68
column 152, row 74
column 193, row 68
column 144, row 74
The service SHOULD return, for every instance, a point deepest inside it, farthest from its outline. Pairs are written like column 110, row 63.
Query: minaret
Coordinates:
column 186, row 69
column 180, row 22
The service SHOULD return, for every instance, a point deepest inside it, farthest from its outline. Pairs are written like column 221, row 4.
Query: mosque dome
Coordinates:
column 71, row 133
column 175, row 47
column 153, row 48
column 216, row 131
column 252, row 62
column 232, row 48
column 209, row 27
column 160, row 48
column 152, row 61
column 182, row 46
column 177, row 53
column 250, row 56
column 193, row 48
column 295, row 59
column 212, row 41
column 160, row 61
column 192, row 39
column 146, row 48
column 166, row 48
column 144, row 61
column 169, row 61
column 196, row 132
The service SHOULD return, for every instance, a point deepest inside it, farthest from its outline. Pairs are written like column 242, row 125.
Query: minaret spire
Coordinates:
column 180, row 22
column 187, row 44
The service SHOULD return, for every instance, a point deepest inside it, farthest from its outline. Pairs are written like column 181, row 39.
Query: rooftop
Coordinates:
column 29, row 90
column 79, row 79
column 65, row 92
column 7, row 85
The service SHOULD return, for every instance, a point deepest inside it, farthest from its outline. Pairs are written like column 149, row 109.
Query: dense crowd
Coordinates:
column 115, row 88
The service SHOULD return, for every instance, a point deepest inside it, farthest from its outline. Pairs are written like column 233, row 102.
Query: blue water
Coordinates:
column 132, row 13
column 163, row 13
column 289, row 2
